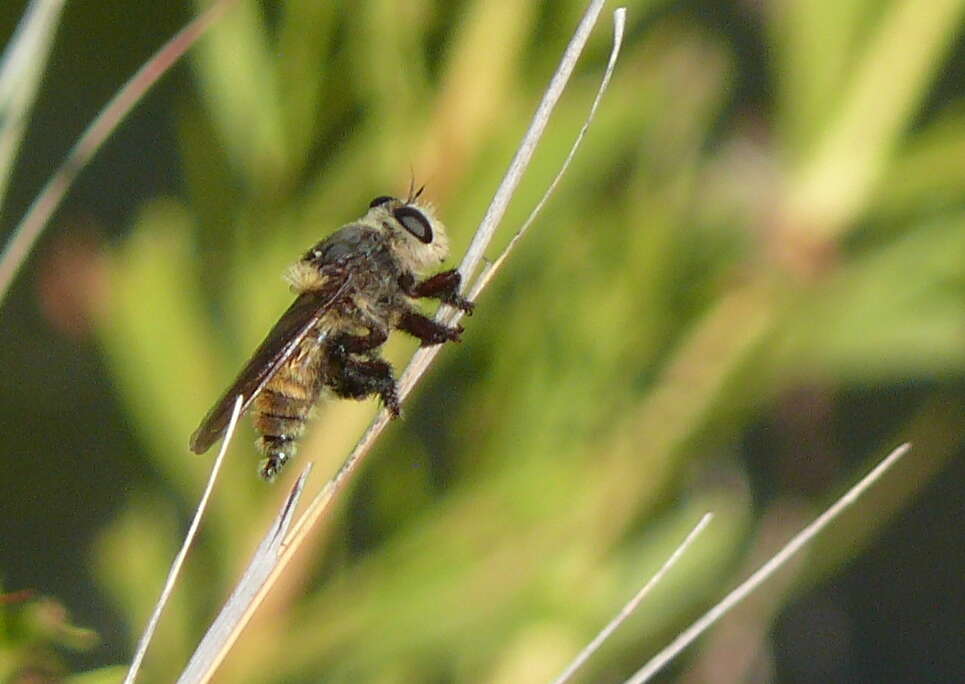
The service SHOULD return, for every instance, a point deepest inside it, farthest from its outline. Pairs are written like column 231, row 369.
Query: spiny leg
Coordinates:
column 354, row 378
column 442, row 286
column 427, row 330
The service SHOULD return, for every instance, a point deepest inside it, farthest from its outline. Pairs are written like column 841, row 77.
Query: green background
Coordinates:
column 748, row 289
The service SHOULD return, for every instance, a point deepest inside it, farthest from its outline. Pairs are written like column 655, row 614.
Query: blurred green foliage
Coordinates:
column 31, row 629
column 707, row 262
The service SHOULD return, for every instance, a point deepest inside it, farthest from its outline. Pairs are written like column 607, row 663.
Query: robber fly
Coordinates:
column 353, row 288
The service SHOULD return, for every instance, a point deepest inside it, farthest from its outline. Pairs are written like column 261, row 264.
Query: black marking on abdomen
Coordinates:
column 281, row 416
column 281, row 395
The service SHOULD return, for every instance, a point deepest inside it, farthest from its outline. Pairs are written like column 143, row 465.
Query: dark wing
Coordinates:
column 277, row 347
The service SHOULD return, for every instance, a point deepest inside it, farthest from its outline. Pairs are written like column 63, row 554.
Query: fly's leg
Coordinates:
column 442, row 286
column 427, row 330
column 351, row 377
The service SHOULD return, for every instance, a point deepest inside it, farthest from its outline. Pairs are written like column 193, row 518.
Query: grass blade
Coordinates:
column 38, row 215
column 175, row 570
column 631, row 605
column 765, row 571
column 246, row 596
column 20, row 71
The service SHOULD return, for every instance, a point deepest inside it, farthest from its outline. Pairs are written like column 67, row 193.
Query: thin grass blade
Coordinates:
column 689, row 635
column 45, row 204
column 20, row 71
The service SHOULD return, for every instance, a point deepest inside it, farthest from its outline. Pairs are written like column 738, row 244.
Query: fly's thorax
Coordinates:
column 350, row 247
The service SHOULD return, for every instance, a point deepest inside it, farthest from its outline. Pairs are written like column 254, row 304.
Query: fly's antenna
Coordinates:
column 413, row 193
column 410, row 196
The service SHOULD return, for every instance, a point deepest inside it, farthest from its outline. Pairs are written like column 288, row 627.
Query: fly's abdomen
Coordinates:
column 279, row 414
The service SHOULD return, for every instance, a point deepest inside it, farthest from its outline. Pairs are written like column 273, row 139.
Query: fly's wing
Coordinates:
column 277, row 347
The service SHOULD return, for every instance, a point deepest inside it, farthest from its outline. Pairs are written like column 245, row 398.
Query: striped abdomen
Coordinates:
column 280, row 411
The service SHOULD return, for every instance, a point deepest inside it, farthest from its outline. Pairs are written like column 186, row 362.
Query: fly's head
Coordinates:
column 416, row 236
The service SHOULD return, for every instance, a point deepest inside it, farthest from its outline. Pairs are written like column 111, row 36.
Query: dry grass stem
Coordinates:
column 619, row 23
column 38, row 215
column 517, row 167
column 631, row 605
column 769, row 568
column 182, row 554
column 423, row 357
column 211, row 651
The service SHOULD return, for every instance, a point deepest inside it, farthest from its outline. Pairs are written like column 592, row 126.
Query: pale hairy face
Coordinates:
column 418, row 238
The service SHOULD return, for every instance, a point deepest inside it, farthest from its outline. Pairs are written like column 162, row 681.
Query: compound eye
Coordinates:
column 415, row 222
column 381, row 199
